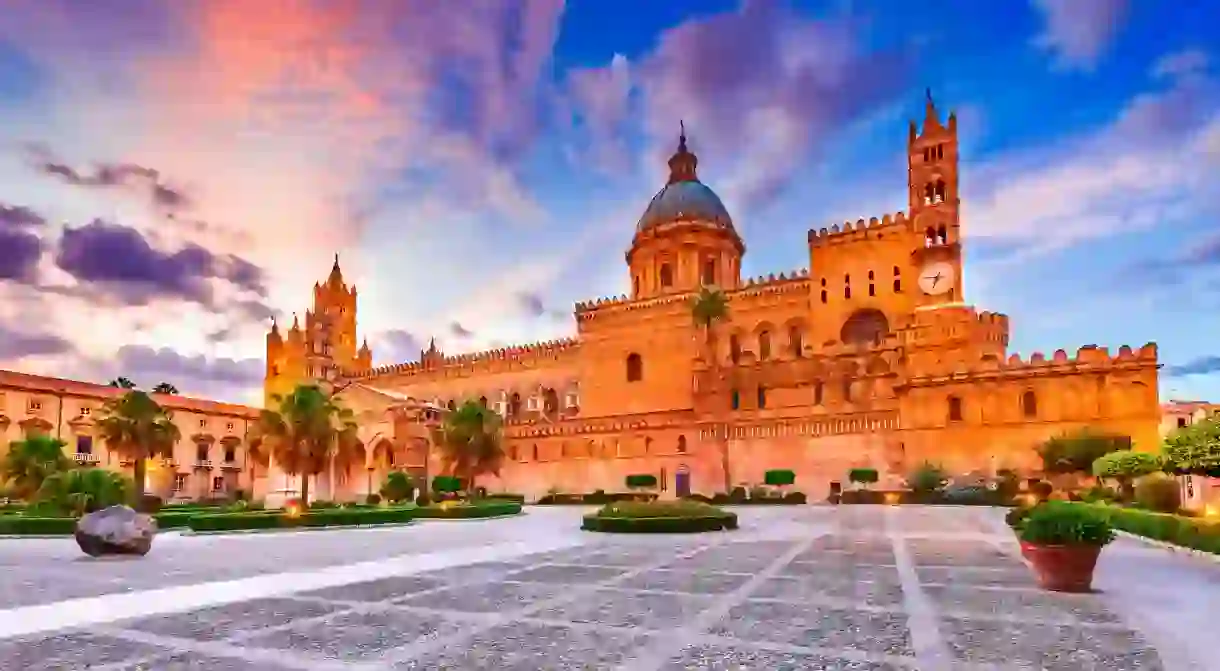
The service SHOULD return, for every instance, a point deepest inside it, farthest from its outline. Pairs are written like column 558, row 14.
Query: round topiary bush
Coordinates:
column 1158, row 492
column 446, row 484
column 659, row 517
column 641, row 481
column 779, row 478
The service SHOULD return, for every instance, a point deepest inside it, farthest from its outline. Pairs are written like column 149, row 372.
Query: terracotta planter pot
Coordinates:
column 1063, row 568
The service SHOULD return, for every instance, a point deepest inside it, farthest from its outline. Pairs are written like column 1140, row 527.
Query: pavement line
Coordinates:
column 930, row 647
column 108, row 608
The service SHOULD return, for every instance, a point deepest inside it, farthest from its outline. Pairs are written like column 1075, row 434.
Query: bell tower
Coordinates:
column 933, row 185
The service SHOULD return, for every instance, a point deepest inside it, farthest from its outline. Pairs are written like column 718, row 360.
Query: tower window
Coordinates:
column 897, row 285
column 823, row 281
column 870, row 276
column 940, row 151
column 872, row 289
column 734, row 348
column 764, row 345
column 682, row 444
column 1029, row 404
column 847, row 390
column 635, row 367
column 709, row 272
column 795, row 342
column 955, row 409
column 942, row 234
column 823, row 295
column 736, row 400
column 762, row 396
column 847, row 292
column 483, row 401
column 667, row 275
column 817, row 393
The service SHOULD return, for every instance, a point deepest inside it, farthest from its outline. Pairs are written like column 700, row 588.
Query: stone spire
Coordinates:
column 683, row 163
column 336, row 275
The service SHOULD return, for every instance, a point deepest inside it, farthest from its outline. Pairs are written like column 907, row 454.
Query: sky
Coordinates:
column 174, row 173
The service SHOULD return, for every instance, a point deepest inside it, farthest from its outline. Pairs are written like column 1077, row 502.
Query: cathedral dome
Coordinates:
column 684, row 197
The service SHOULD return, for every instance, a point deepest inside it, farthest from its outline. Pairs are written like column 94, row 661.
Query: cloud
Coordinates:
column 15, row 345
column 192, row 374
column 18, row 216
column 459, row 331
column 121, row 261
column 20, row 244
column 396, row 346
column 762, row 85
column 114, row 175
column 1137, row 172
column 1078, row 32
column 1204, row 365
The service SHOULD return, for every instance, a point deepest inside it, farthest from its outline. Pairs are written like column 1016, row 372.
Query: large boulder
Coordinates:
column 117, row 530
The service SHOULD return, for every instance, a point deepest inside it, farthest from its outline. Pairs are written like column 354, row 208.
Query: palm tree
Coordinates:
column 709, row 308
column 122, row 383
column 306, row 433
column 165, row 388
column 31, row 461
column 471, row 442
column 138, row 428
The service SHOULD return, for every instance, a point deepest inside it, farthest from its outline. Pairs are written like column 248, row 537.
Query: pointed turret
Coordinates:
column 683, row 164
column 275, row 329
column 931, row 119
column 364, row 346
column 336, row 275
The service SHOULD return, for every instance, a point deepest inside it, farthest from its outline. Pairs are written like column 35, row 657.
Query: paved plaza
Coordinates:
column 808, row 587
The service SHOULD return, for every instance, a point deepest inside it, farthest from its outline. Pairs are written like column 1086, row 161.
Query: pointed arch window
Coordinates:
column 682, row 444
column 762, row 396
column 666, row 275
column 796, row 343
column 736, row 400
column 734, row 348
column 764, row 345
column 1029, row 404
column 709, row 272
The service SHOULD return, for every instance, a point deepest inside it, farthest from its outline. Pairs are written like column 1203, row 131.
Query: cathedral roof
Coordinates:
column 684, row 197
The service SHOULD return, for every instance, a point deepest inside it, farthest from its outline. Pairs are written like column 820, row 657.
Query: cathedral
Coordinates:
column 870, row 357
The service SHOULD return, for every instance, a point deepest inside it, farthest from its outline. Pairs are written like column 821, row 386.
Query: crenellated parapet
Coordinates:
column 861, row 230
column 615, row 307
column 796, row 281
column 475, row 362
column 956, row 322
column 1088, row 359
column 599, row 425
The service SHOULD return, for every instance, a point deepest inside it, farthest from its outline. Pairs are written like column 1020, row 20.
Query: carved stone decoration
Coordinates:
column 117, row 530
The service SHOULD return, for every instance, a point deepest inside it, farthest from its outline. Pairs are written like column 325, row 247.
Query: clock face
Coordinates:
column 936, row 278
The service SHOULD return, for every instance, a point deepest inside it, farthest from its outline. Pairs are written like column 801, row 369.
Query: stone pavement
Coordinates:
column 811, row 588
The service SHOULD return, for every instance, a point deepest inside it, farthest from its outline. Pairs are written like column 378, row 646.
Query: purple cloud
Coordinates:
column 139, row 362
column 396, row 346
column 20, row 247
column 1079, row 31
column 19, row 344
column 121, row 259
column 114, row 175
column 460, row 331
column 19, row 216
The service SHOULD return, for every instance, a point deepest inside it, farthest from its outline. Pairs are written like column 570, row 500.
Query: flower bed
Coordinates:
column 1196, row 533
column 480, row 509
column 277, row 519
column 659, row 517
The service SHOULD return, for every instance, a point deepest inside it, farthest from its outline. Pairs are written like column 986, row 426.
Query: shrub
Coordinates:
column 1098, row 494
column 423, row 499
column 928, row 477
column 397, row 487
column 1076, row 452
column 481, row 509
column 1016, row 517
column 659, row 517
column 1194, row 449
column 864, row 476
column 641, row 481
column 737, row 495
column 446, row 484
column 1158, row 492
column 373, row 499
column 1199, row 534
column 597, row 498
column 149, row 503
column 779, row 478
column 970, row 495
column 1007, row 483
column 1126, row 465
column 1041, row 489
column 83, row 490
column 1065, row 523
column 327, row 517
column 506, row 496
column 37, row 526
column 797, row 498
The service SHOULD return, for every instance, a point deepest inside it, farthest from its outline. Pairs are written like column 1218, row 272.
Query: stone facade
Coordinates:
column 209, row 461
column 1197, row 491
column 871, row 357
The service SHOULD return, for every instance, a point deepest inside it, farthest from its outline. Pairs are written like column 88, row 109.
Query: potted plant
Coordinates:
column 1062, row 540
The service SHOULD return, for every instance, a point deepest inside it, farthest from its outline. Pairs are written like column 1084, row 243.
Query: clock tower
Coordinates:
column 932, row 181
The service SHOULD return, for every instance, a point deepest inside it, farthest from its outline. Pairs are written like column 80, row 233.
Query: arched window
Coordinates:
column 929, row 237
column 1029, row 404
column 818, row 390
column 955, row 409
column 929, row 192
column 483, row 401
column 736, row 400
column 681, row 444
column 514, row 405
column 550, row 400
column 940, row 191
column 635, row 367
column 864, row 326
column 764, row 345
column 847, row 391
column 942, row 235
column 514, row 453
column 762, row 396
column 823, row 295
column 795, row 344
column 897, row 280
column 709, row 272
column 734, row 348
column 667, row 275
column 535, row 451
column 647, row 445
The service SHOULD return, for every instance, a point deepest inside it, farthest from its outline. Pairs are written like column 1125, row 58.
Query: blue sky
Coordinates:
column 191, row 167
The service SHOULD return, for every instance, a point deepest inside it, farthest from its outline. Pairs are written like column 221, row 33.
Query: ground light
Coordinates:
column 893, row 498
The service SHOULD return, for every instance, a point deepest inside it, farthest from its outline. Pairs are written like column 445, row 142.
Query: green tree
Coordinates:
column 863, row 476
column 138, row 428
column 122, row 383
column 1125, row 466
column 397, row 487
column 165, row 388
column 709, row 308
column 1194, row 449
column 82, row 490
column 471, row 441
column 927, row 478
column 306, row 432
column 31, row 461
column 1076, row 452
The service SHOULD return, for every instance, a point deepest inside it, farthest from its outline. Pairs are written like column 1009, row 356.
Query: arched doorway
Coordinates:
column 682, row 481
column 864, row 326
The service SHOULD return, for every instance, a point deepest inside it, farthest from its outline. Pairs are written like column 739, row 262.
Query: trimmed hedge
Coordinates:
column 597, row 498
column 790, row 499
column 506, row 496
column 664, row 517
column 1190, row 532
column 476, row 510
column 965, row 496
column 327, row 517
column 37, row 526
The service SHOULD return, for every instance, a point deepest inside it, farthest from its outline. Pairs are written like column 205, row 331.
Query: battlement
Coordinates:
column 586, row 310
column 1087, row 357
column 772, row 283
column 860, row 230
column 528, row 351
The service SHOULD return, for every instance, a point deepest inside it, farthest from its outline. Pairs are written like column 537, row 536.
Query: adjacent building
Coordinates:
column 871, row 356
column 1197, row 491
column 210, row 460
